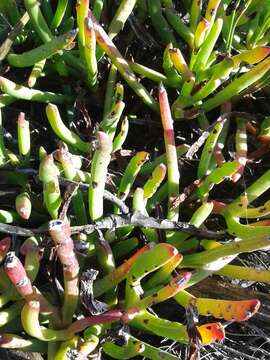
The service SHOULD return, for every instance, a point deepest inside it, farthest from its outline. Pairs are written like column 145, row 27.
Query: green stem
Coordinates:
column 256, row 189
column 24, row 139
column 171, row 154
column 108, row 102
column 195, row 13
column 207, row 46
column 59, row 13
column 136, row 347
column 179, row 26
column 238, row 85
column 159, row 22
column 245, row 273
column 99, row 166
column 10, row 6
column 24, row 93
column 121, row 137
column 122, row 66
column 48, row 174
column 120, row 17
column 37, row 20
column 202, row 259
column 148, row 168
column 130, row 173
column 209, row 147
column 36, row 73
column 63, row 132
column 101, row 286
column 90, row 51
column 42, row 52
column 97, row 8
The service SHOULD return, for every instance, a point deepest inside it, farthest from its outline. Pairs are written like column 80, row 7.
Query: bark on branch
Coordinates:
column 118, row 221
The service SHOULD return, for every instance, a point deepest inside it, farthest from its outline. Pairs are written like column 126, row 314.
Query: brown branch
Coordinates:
column 6, row 45
column 107, row 195
column 222, row 118
column 119, row 221
column 69, row 193
column 20, row 231
column 84, row 187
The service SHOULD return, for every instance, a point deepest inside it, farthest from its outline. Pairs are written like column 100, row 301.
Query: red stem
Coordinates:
column 17, row 275
column 108, row 317
column 61, row 235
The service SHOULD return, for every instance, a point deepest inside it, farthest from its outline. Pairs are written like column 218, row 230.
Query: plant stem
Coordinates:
column 171, row 154
column 202, row 259
column 22, row 92
column 99, row 166
column 60, row 233
column 122, row 66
